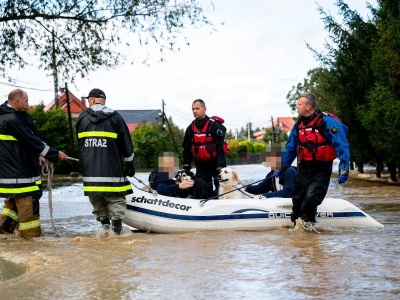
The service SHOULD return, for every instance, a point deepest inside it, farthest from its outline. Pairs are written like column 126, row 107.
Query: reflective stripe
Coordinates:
column 18, row 180
column 5, row 137
column 19, row 190
column 112, row 135
column 38, row 182
column 45, row 150
column 114, row 189
column 29, row 225
column 130, row 158
column 103, row 179
column 10, row 213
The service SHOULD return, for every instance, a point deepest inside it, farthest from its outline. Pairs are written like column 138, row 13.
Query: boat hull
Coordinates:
column 161, row 214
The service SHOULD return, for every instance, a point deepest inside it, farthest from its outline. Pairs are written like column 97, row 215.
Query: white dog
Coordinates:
column 229, row 183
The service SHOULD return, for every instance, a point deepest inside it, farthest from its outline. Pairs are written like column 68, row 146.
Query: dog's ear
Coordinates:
column 235, row 177
column 178, row 176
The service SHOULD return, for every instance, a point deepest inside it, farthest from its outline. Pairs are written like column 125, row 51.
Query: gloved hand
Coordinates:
column 129, row 169
column 343, row 178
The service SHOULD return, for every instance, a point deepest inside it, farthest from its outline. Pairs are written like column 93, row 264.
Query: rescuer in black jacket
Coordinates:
column 104, row 142
column 20, row 151
column 204, row 143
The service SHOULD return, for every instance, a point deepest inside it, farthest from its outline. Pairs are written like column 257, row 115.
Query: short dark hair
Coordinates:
column 200, row 101
column 310, row 98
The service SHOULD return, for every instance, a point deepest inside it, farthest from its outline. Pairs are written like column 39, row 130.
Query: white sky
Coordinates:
column 243, row 72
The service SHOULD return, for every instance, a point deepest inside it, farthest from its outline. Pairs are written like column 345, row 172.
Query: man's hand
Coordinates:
column 129, row 169
column 186, row 184
column 62, row 156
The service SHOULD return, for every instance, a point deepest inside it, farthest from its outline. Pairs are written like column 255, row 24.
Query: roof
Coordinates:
column 76, row 106
column 139, row 116
column 285, row 123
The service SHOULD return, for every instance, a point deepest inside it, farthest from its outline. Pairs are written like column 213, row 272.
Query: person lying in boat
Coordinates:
column 162, row 178
column 279, row 182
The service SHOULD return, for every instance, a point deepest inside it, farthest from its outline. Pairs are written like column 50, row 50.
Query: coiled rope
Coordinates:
column 48, row 170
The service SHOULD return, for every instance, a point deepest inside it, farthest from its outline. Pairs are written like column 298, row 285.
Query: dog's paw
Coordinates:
column 259, row 197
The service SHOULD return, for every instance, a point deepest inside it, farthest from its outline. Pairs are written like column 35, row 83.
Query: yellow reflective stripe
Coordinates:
column 5, row 137
column 29, row 225
column 114, row 189
column 38, row 181
column 112, row 135
column 19, row 190
column 10, row 213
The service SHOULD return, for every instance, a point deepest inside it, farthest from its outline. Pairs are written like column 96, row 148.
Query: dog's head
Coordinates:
column 229, row 176
column 184, row 175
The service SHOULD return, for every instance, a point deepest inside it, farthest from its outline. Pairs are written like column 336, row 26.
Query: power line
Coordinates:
column 25, row 87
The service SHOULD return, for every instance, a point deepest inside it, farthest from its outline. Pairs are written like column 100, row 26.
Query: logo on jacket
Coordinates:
column 96, row 143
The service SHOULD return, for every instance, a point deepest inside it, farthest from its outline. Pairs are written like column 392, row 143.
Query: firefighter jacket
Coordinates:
column 104, row 141
column 320, row 137
column 20, row 147
column 204, row 140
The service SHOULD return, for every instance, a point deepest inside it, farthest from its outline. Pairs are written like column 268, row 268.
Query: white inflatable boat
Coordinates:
column 161, row 214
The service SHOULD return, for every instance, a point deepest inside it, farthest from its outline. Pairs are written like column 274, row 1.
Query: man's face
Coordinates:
column 303, row 107
column 169, row 164
column 199, row 112
column 274, row 157
column 22, row 103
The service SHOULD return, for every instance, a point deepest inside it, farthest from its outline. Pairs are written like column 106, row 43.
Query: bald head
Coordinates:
column 18, row 99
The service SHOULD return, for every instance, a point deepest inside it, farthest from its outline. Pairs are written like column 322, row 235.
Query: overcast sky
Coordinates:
column 243, row 72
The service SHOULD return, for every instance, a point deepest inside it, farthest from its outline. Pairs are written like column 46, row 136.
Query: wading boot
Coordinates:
column 117, row 226
column 106, row 224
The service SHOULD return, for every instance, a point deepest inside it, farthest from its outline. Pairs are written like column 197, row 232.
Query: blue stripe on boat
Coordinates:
column 235, row 216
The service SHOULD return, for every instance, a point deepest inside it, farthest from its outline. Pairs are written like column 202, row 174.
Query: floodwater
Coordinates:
column 277, row 264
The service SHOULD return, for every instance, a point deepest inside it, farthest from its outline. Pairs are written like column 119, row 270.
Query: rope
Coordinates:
column 48, row 169
column 140, row 181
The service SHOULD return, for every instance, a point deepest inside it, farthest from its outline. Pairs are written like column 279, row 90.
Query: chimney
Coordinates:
column 83, row 100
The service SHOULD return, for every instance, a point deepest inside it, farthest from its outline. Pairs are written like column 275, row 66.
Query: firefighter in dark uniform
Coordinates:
column 204, row 143
column 316, row 139
column 20, row 152
column 104, row 143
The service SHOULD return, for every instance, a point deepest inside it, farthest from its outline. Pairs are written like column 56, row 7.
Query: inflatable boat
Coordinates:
column 151, row 212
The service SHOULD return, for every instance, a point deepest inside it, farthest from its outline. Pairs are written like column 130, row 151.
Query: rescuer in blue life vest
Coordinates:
column 316, row 139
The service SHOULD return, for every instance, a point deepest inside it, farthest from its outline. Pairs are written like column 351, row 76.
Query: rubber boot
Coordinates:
column 117, row 226
column 105, row 221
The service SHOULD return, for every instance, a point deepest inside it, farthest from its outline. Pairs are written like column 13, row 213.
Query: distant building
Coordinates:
column 132, row 117
column 285, row 124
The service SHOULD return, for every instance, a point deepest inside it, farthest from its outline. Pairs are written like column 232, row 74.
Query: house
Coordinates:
column 76, row 105
column 285, row 124
column 132, row 117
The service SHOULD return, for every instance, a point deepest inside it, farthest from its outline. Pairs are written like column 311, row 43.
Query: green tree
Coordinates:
column 53, row 129
column 149, row 140
column 85, row 34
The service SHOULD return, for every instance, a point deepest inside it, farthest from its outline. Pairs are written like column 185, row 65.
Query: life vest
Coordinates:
column 203, row 144
column 312, row 143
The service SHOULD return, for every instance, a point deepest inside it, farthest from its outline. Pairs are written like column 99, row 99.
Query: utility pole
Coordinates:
column 163, row 116
column 54, row 67
column 273, row 129
column 71, row 136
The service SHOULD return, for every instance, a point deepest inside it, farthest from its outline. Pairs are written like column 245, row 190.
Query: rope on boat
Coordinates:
column 239, row 188
column 48, row 169
column 141, row 181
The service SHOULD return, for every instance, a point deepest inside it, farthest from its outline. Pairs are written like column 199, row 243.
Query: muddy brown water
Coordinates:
column 276, row 264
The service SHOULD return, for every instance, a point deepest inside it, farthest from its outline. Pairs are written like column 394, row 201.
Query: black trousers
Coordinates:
column 206, row 170
column 311, row 186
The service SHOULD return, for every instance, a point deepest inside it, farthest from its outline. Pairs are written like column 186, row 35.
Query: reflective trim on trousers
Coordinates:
column 29, row 225
column 113, row 189
column 19, row 180
column 19, row 190
column 112, row 135
column 10, row 213
column 104, row 179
